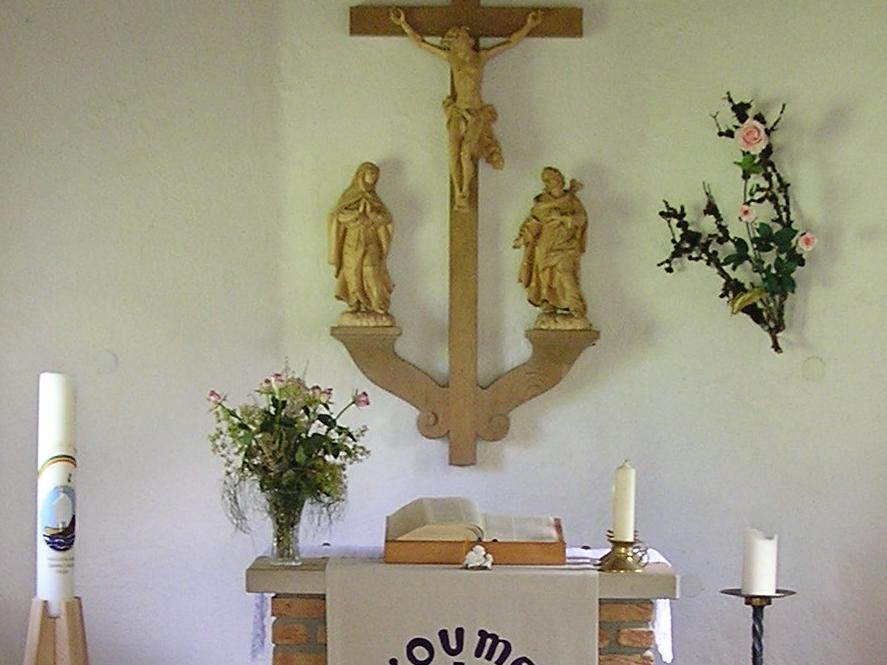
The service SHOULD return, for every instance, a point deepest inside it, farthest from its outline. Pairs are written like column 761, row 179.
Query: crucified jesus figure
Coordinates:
column 469, row 119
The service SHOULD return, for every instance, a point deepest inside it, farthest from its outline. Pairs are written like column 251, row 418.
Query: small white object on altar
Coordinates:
column 478, row 559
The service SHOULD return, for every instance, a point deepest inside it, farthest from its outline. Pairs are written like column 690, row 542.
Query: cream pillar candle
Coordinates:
column 56, row 498
column 759, row 564
column 623, row 503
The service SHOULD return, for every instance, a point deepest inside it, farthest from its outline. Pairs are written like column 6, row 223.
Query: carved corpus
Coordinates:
column 462, row 409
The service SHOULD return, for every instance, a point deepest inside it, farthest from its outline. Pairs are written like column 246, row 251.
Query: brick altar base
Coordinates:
column 625, row 634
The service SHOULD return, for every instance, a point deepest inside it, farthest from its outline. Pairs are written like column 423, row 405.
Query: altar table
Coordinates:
column 299, row 632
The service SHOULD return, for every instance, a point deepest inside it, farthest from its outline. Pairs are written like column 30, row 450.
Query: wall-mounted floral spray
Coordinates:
column 757, row 267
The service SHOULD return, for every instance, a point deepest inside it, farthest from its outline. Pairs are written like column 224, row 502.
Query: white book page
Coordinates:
column 510, row 528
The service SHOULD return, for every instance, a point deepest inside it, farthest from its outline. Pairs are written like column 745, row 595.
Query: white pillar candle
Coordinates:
column 759, row 564
column 56, row 498
column 623, row 504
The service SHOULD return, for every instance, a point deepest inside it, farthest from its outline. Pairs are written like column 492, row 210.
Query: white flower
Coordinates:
column 478, row 559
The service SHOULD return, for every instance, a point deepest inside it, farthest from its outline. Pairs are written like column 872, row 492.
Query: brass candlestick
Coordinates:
column 757, row 604
column 624, row 556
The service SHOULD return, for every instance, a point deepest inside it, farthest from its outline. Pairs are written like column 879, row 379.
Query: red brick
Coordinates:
column 289, row 632
column 603, row 637
column 284, row 657
column 321, row 634
column 641, row 610
column 641, row 638
column 619, row 659
column 299, row 607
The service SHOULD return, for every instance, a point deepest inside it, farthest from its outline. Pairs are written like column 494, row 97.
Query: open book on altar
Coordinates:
column 443, row 529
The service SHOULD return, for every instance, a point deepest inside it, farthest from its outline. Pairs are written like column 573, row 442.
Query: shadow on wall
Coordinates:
column 626, row 328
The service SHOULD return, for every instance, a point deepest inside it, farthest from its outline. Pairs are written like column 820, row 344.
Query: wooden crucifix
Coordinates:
column 461, row 409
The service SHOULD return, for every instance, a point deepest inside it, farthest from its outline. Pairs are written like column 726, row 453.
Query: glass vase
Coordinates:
column 286, row 518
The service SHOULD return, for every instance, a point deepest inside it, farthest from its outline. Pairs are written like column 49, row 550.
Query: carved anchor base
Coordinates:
column 485, row 417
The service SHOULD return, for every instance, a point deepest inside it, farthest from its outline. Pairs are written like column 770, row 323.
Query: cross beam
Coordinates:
column 373, row 21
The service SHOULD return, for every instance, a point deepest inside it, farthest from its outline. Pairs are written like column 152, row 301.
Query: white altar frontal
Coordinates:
column 340, row 610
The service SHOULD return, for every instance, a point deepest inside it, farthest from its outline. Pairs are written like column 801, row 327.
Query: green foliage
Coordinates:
column 756, row 267
column 287, row 446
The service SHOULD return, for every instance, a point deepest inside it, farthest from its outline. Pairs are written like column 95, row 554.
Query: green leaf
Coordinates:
column 749, row 165
column 770, row 282
column 788, row 283
column 765, row 230
column 740, row 245
column 301, row 457
column 785, row 235
column 785, row 266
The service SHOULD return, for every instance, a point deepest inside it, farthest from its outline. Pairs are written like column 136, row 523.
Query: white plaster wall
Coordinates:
column 165, row 170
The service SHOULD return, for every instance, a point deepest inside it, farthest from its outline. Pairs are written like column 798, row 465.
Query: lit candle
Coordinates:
column 56, row 498
column 759, row 564
column 623, row 504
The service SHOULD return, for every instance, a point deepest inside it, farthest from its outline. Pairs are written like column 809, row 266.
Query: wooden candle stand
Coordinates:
column 56, row 640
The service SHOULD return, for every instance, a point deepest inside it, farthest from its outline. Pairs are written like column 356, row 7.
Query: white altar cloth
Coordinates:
column 438, row 615
column 576, row 556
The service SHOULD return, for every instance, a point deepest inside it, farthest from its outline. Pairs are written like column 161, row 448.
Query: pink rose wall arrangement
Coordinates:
column 757, row 264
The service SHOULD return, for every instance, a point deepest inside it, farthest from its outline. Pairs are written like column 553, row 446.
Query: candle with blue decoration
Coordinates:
column 56, row 496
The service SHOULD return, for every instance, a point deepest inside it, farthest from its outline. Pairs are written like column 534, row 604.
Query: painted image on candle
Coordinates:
column 58, row 519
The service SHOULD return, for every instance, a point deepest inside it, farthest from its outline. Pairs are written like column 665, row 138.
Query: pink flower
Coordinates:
column 752, row 137
column 361, row 399
column 747, row 213
column 214, row 397
column 807, row 241
column 277, row 377
column 323, row 394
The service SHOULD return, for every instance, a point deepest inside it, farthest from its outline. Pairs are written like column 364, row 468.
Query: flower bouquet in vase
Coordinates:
column 285, row 450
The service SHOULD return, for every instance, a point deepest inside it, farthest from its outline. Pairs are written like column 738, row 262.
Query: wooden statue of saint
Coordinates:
column 360, row 229
column 553, row 238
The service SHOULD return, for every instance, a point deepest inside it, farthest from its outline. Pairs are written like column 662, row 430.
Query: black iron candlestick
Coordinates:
column 757, row 603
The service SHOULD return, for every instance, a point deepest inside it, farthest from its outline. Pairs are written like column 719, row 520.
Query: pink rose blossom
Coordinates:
column 752, row 137
column 747, row 213
column 277, row 377
column 215, row 397
column 361, row 399
column 326, row 394
column 807, row 241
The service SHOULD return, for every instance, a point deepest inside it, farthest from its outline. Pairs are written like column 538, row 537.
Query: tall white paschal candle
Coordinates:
column 56, row 498
column 623, row 504
column 759, row 564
